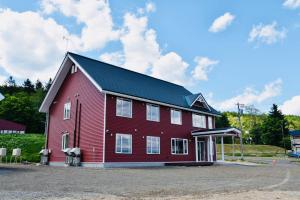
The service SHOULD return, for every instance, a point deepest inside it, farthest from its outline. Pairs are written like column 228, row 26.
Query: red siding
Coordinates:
column 92, row 118
column 139, row 127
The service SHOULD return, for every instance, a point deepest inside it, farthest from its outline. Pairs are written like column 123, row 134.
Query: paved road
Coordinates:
column 33, row 182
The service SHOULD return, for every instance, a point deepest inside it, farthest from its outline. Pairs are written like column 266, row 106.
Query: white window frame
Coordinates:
column 210, row 122
column 202, row 120
column 116, row 142
column 171, row 114
column 67, row 110
column 64, row 143
column 73, row 69
column 122, row 113
column 185, row 141
column 149, row 109
column 151, row 150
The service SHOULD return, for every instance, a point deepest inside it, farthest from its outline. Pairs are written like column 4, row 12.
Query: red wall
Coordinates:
column 139, row 127
column 92, row 118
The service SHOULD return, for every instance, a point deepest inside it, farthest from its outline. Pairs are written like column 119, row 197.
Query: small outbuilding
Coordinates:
column 9, row 127
column 295, row 141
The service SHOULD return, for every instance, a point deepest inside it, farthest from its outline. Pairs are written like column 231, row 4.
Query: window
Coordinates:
column 65, row 141
column 199, row 121
column 124, row 143
column 124, row 108
column 176, row 117
column 67, row 110
column 179, row 146
column 210, row 123
column 74, row 69
column 152, row 113
column 153, row 145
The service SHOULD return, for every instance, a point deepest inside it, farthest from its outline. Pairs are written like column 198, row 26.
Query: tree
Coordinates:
column 222, row 122
column 274, row 128
column 39, row 85
column 10, row 82
column 48, row 85
column 28, row 86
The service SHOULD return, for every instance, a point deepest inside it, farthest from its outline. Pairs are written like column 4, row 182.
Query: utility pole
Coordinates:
column 240, row 113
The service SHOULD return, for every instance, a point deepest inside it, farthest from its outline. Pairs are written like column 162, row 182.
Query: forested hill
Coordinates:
column 22, row 102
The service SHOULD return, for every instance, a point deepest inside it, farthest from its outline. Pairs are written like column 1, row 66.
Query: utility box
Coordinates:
column 69, row 158
column 76, row 157
column 3, row 154
column 45, row 156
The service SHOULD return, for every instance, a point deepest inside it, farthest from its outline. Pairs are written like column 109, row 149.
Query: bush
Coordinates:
column 30, row 144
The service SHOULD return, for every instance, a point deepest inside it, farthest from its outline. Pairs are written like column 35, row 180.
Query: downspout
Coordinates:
column 47, row 129
column 79, row 124
column 75, row 128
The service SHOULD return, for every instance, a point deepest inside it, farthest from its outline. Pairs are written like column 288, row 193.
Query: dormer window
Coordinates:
column 73, row 69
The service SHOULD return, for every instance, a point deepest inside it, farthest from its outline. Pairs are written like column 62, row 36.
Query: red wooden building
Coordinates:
column 118, row 117
column 9, row 127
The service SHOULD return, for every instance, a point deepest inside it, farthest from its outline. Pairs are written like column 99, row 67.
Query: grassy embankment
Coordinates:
column 253, row 150
column 30, row 144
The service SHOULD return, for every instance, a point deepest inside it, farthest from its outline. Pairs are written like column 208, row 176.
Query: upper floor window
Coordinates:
column 67, row 110
column 64, row 141
column 210, row 123
column 124, row 143
column 152, row 113
column 179, row 146
column 73, row 69
column 176, row 117
column 199, row 121
column 124, row 108
column 153, row 145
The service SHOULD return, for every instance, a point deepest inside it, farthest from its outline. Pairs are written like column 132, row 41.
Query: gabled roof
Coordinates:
column 112, row 79
column 230, row 131
column 192, row 99
column 9, row 125
column 295, row 133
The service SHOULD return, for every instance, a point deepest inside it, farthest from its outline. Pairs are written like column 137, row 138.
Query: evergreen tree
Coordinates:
column 28, row 86
column 274, row 128
column 48, row 85
column 39, row 85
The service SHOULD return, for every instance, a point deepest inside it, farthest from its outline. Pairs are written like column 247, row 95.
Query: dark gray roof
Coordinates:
column 116, row 79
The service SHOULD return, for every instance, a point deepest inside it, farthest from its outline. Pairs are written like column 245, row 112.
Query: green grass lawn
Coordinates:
column 252, row 150
column 30, row 144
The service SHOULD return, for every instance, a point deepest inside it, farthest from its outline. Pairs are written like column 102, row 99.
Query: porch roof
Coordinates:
column 217, row 132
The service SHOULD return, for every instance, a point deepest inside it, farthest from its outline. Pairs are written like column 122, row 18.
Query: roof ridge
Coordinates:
column 122, row 68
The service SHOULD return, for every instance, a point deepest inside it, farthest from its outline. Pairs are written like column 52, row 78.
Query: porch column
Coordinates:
column 211, row 148
column 222, row 147
column 196, row 148
column 233, row 155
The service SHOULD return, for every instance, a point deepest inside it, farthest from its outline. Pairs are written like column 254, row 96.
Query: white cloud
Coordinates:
column 98, row 27
column 221, row 23
column 251, row 96
column 204, row 66
column 142, row 53
column 32, row 46
column 267, row 34
column 292, row 4
column 150, row 7
column 171, row 67
column 2, row 79
column 291, row 106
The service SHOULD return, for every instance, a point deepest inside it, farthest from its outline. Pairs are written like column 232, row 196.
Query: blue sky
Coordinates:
column 231, row 51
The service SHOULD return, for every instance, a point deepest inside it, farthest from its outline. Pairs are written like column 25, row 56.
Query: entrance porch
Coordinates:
column 206, row 143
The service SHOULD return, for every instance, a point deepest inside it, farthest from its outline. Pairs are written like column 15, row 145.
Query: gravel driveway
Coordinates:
column 39, row 182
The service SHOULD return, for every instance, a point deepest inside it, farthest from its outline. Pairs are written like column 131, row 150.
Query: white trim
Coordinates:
column 157, row 102
column 62, row 142
column 187, row 147
column 133, row 164
column 201, row 96
column 217, row 131
column 85, row 73
column 52, row 85
column 131, row 105
column 123, row 134
column 104, row 130
column 222, row 148
column 201, row 118
column 196, row 148
column 177, row 110
column 67, row 105
column 152, row 105
column 151, row 145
